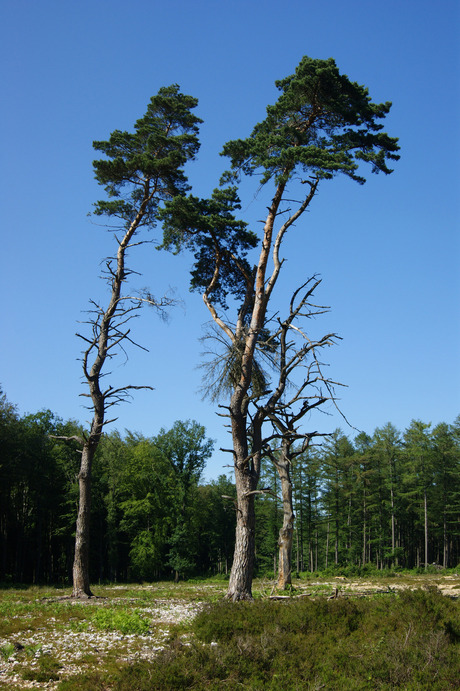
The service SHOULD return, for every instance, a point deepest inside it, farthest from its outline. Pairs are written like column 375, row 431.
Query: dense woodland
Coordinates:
column 390, row 500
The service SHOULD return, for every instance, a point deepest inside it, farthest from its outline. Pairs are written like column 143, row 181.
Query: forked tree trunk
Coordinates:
column 247, row 465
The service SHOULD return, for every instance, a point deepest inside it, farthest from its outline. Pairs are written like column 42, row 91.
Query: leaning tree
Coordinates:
column 322, row 125
column 140, row 171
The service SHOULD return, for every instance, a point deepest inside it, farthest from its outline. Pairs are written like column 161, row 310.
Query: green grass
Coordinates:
column 109, row 619
column 6, row 651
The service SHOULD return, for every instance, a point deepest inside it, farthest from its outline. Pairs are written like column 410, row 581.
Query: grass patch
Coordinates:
column 109, row 619
column 35, row 615
column 6, row 651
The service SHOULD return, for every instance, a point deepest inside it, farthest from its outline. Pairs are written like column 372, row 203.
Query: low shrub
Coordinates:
column 46, row 670
column 407, row 641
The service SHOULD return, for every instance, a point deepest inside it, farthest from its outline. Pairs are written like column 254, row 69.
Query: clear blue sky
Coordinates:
column 388, row 252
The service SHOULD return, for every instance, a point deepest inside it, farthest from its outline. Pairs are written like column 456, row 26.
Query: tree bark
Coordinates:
column 247, row 469
column 240, row 583
column 287, row 529
column 425, row 515
column 247, row 465
column 80, row 572
column 364, row 524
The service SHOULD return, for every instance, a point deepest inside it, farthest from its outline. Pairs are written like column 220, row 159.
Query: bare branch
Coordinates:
column 227, row 451
column 73, row 437
column 265, row 490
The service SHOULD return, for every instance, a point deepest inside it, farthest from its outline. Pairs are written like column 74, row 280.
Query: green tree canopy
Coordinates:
column 144, row 167
column 321, row 125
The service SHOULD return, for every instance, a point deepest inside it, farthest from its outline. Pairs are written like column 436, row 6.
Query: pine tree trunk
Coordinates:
column 81, row 585
column 246, row 478
column 316, row 551
column 300, row 523
column 364, row 525
column 287, row 529
column 297, row 550
column 393, row 533
column 240, row 582
column 445, row 541
column 425, row 511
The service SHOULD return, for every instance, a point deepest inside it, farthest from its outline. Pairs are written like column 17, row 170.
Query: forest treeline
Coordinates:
column 389, row 500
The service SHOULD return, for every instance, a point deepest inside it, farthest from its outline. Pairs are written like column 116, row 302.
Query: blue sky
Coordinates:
column 388, row 252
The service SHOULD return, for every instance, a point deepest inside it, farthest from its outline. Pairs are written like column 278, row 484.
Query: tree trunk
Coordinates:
column 240, row 582
column 316, row 550
column 247, row 473
column 287, row 529
column 364, row 525
column 445, row 543
column 81, row 586
column 285, row 551
column 297, row 549
column 300, row 522
column 425, row 512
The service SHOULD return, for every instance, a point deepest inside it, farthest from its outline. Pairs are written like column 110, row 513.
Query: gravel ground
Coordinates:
column 81, row 650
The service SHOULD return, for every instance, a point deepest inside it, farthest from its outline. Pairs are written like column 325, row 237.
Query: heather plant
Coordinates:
column 47, row 670
column 407, row 641
column 392, row 639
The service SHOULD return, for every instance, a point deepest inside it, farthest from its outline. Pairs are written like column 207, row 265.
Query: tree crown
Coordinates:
column 321, row 125
column 147, row 164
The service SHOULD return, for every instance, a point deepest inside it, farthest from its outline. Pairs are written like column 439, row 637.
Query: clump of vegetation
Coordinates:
column 109, row 619
column 6, row 651
column 391, row 639
column 408, row 641
column 47, row 669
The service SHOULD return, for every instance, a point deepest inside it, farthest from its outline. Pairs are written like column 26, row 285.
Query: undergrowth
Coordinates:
column 371, row 571
column 408, row 641
column 47, row 670
column 398, row 639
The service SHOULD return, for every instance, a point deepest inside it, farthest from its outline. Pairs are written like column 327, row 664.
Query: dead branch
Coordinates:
column 73, row 437
column 265, row 490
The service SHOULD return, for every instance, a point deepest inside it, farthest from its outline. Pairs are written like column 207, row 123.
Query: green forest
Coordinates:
column 386, row 500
